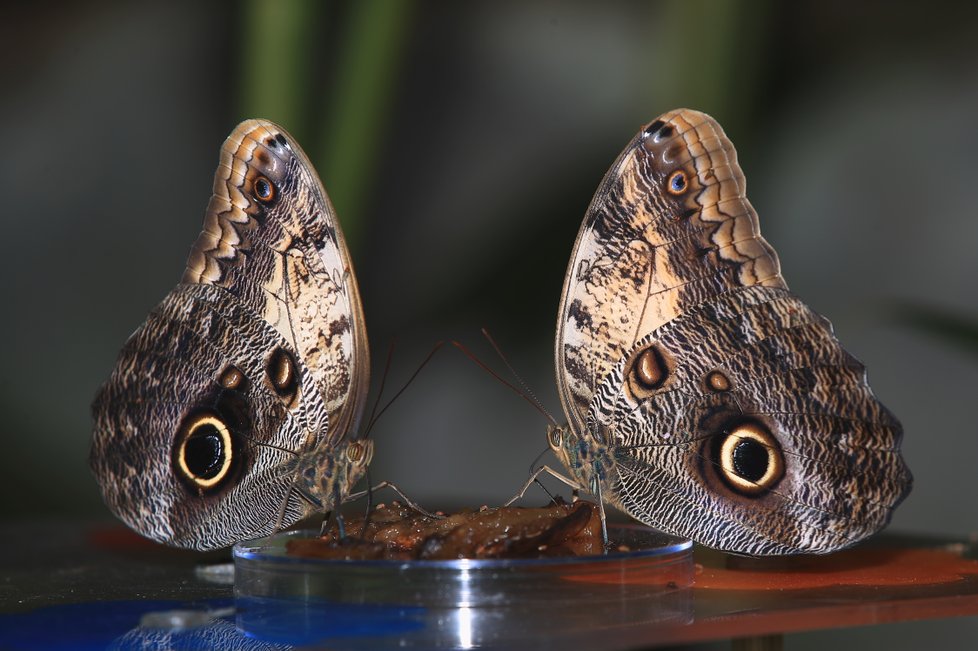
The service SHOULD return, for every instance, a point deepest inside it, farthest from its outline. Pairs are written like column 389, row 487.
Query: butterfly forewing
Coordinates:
column 281, row 252
column 669, row 227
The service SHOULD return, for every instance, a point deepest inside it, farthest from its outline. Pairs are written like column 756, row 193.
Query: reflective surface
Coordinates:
column 465, row 603
column 81, row 586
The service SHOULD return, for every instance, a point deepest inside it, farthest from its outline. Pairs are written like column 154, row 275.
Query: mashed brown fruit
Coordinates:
column 397, row 532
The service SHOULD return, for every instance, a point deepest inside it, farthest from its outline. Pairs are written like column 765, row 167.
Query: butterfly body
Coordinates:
column 703, row 398
column 249, row 372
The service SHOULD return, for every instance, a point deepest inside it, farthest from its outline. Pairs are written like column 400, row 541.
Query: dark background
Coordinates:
column 461, row 143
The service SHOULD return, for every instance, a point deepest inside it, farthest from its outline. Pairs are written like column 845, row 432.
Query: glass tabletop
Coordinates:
column 98, row 586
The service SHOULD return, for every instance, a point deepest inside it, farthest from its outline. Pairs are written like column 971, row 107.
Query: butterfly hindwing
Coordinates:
column 786, row 384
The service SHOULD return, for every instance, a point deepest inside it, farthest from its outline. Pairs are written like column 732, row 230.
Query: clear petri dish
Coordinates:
column 460, row 603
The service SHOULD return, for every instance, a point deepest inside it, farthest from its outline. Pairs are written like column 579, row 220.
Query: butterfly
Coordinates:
column 232, row 411
column 702, row 397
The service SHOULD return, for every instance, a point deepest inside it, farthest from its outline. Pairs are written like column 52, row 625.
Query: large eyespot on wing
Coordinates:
column 669, row 228
column 205, row 451
column 747, row 457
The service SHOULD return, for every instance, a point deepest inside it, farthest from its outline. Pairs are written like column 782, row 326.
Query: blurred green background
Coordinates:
column 461, row 143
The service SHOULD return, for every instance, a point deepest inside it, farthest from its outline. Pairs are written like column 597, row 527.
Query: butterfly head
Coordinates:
column 587, row 459
column 328, row 475
column 564, row 443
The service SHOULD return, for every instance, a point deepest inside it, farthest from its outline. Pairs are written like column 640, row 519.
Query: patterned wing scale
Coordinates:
column 703, row 397
column 231, row 410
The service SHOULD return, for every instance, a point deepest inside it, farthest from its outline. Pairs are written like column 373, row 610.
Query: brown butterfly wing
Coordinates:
column 256, row 361
column 702, row 397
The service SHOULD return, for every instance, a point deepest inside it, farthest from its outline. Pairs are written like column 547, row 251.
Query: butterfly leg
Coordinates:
column 338, row 501
column 324, row 525
column 340, row 525
column 280, row 517
column 370, row 505
column 604, row 518
column 533, row 478
column 407, row 500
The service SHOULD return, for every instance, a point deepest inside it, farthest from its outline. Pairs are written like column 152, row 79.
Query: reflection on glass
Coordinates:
column 465, row 627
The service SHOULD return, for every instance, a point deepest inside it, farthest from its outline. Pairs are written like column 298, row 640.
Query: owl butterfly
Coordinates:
column 702, row 397
column 229, row 412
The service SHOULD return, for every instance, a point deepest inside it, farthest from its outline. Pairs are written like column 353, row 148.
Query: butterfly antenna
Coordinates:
column 485, row 367
column 375, row 417
column 536, row 460
column 523, row 385
column 383, row 381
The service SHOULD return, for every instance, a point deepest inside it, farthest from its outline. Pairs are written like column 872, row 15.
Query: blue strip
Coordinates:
column 279, row 623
